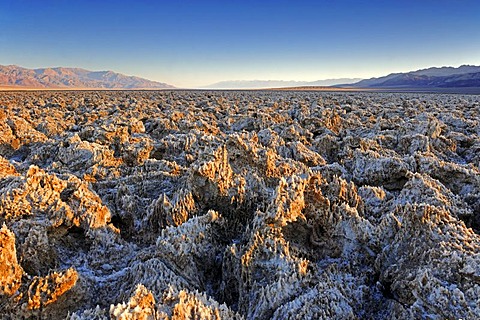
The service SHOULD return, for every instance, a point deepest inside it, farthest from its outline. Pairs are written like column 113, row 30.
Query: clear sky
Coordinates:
column 194, row 43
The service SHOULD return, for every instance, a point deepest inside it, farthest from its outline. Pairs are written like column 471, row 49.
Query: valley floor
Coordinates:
column 239, row 204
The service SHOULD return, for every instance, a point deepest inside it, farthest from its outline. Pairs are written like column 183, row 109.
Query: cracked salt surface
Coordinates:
column 247, row 205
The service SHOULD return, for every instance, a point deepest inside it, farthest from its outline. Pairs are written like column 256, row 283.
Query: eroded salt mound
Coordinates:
column 246, row 205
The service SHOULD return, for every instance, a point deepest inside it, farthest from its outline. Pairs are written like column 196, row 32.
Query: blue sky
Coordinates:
column 194, row 43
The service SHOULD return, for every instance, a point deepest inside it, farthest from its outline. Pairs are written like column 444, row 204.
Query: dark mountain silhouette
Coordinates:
column 444, row 77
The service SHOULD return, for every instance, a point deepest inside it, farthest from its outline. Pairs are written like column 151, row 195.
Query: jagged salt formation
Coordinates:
column 246, row 205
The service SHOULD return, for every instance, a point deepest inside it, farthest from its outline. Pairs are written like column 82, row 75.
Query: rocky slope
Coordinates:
column 239, row 205
column 72, row 78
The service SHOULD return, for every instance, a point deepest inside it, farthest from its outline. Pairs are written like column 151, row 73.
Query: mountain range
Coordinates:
column 265, row 84
column 465, row 76
column 15, row 76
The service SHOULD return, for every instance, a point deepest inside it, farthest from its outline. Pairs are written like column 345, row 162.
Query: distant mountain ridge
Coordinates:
column 444, row 77
column 265, row 84
column 61, row 77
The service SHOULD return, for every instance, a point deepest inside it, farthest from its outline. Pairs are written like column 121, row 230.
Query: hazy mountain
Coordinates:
column 261, row 84
column 72, row 78
column 444, row 77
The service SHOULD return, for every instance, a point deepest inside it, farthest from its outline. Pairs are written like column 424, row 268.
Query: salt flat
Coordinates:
column 239, row 204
